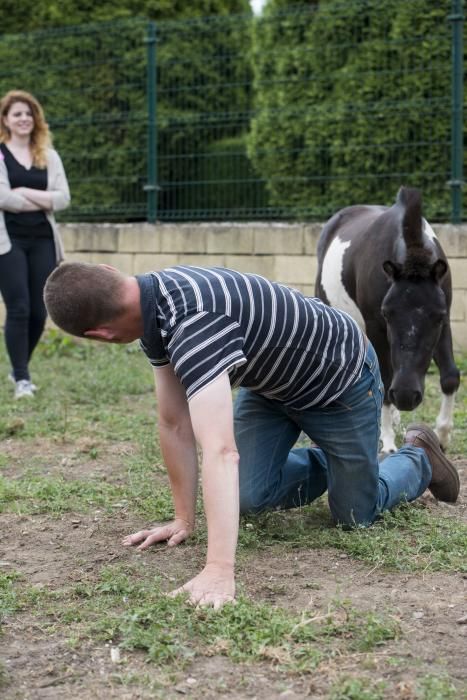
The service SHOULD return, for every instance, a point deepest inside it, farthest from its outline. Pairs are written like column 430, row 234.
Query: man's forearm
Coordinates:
column 221, row 505
column 181, row 460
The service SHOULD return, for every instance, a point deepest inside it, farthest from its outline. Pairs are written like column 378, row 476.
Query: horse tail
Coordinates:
column 410, row 201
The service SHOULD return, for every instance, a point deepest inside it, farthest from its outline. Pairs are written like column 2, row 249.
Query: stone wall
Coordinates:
column 280, row 251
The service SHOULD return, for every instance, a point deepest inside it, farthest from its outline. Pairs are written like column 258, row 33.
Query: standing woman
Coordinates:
column 33, row 185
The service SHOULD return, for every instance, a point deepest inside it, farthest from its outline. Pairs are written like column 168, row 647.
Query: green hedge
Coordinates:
column 298, row 112
column 91, row 80
column 352, row 100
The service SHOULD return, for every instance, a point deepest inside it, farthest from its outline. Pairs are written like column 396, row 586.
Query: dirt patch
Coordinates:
column 78, row 459
column 458, row 509
column 59, row 553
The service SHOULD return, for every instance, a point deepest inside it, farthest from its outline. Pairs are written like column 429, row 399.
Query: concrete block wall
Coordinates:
column 279, row 251
column 284, row 252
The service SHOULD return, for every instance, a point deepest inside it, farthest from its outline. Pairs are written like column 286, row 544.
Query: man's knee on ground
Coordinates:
column 254, row 503
column 351, row 519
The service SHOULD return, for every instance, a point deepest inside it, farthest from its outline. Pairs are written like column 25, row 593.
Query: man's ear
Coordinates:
column 102, row 333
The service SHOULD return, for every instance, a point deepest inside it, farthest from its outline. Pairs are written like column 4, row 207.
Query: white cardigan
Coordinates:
column 57, row 185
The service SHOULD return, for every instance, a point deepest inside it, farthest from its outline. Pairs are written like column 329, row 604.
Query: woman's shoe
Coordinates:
column 13, row 381
column 23, row 388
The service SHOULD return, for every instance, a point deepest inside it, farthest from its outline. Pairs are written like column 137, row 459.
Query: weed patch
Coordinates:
column 8, row 597
column 134, row 614
column 407, row 539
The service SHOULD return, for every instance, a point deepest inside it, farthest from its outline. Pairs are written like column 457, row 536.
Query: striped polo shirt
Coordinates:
column 268, row 337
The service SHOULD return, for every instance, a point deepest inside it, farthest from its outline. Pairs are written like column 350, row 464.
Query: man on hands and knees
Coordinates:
column 300, row 366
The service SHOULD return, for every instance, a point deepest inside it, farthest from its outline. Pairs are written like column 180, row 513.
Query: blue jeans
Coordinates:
column 345, row 461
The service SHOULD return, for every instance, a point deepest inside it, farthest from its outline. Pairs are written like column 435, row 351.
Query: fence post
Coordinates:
column 457, row 138
column 151, row 96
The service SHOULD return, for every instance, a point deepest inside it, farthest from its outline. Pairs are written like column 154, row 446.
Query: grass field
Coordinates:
column 363, row 615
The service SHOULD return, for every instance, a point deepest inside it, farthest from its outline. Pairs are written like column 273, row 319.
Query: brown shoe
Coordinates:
column 444, row 480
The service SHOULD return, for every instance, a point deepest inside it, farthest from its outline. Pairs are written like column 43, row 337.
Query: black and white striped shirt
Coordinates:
column 268, row 337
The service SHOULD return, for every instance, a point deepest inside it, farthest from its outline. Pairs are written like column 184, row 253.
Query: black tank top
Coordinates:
column 18, row 223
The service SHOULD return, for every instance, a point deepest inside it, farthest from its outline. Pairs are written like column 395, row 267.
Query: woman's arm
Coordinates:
column 41, row 199
column 58, row 188
column 11, row 200
column 56, row 196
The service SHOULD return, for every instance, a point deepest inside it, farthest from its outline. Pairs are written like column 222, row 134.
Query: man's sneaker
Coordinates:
column 444, row 483
column 23, row 388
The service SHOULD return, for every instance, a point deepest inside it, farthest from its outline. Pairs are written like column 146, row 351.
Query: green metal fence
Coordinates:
column 91, row 81
column 289, row 115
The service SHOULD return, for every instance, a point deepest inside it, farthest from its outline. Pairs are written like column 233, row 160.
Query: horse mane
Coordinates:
column 417, row 264
column 418, row 259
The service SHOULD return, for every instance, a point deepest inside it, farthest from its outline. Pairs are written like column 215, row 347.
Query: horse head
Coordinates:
column 414, row 307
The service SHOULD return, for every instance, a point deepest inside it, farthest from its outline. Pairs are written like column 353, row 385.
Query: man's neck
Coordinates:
column 133, row 317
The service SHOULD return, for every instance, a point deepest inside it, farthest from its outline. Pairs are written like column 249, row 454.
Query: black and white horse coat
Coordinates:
column 385, row 267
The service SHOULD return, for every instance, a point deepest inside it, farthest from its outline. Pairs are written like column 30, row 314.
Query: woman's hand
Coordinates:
column 173, row 533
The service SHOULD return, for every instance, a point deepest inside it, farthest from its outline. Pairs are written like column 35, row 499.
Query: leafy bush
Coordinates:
column 92, row 82
column 352, row 100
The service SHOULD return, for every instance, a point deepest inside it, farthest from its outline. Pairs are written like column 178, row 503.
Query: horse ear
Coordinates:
column 392, row 270
column 438, row 270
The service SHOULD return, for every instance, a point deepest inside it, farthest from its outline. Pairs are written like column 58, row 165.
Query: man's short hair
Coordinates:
column 80, row 296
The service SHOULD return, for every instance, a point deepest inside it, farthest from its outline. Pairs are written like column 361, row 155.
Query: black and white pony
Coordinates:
column 386, row 268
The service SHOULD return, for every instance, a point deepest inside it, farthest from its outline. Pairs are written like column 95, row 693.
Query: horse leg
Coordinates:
column 389, row 413
column 389, row 417
column 444, row 420
column 449, row 379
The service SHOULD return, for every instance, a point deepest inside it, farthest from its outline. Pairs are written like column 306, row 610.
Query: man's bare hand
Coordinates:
column 173, row 533
column 214, row 586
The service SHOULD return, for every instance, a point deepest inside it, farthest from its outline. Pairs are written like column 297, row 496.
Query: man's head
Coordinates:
column 94, row 301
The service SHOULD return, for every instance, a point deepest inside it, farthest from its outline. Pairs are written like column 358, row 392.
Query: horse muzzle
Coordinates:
column 405, row 398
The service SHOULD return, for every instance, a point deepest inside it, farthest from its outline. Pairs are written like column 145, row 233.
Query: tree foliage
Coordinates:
column 91, row 79
column 29, row 15
column 332, row 102
column 352, row 100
